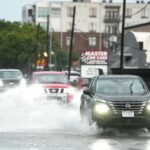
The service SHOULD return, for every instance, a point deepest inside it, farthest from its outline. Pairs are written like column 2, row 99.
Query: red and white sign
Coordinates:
column 94, row 57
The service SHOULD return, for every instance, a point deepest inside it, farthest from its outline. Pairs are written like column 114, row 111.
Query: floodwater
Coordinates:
column 28, row 109
column 29, row 122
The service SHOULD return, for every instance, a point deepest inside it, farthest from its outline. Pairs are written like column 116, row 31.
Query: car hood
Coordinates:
column 55, row 85
column 131, row 97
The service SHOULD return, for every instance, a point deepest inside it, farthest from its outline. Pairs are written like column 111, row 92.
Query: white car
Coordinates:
column 73, row 75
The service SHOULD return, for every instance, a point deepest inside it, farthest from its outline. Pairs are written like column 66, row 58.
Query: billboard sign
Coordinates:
column 93, row 57
column 89, row 71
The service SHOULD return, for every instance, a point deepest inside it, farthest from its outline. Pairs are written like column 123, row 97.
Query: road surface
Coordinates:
column 28, row 123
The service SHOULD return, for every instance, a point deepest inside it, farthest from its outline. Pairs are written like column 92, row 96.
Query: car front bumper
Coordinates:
column 119, row 121
column 57, row 97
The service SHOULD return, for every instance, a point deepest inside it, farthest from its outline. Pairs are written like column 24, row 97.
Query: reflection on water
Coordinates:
column 122, row 139
column 101, row 144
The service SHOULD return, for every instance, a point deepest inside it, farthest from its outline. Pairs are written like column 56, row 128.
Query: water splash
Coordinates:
column 27, row 109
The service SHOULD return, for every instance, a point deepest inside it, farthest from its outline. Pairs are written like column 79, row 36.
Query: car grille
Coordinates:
column 119, row 106
column 56, row 94
column 10, row 83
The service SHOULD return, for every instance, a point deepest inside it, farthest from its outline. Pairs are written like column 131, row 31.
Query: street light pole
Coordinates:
column 51, row 42
column 48, row 44
column 122, row 38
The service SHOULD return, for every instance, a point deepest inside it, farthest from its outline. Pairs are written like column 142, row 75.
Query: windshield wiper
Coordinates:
column 131, row 87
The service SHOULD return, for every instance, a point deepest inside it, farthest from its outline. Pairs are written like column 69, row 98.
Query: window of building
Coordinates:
column 144, row 13
column 92, row 27
column 92, row 41
column 115, row 14
column 108, row 15
column 69, row 26
column 55, row 12
column 106, row 43
column 128, row 12
column 112, row 14
column 68, row 38
column 111, row 29
column 43, row 25
column 70, row 12
column 93, row 12
column 29, row 12
column 42, row 12
column 128, row 59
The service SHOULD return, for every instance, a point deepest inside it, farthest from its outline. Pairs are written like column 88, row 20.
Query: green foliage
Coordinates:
column 17, row 45
column 20, row 45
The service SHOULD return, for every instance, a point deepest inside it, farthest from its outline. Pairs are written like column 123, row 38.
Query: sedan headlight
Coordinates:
column 102, row 108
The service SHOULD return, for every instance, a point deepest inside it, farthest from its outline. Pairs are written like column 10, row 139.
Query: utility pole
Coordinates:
column 48, row 44
column 36, row 46
column 71, row 42
column 122, row 38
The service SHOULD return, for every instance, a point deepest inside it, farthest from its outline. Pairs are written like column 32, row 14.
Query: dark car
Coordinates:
column 10, row 78
column 116, row 101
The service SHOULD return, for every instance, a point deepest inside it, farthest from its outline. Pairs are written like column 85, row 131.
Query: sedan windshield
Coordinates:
column 51, row 78
column 120, row 86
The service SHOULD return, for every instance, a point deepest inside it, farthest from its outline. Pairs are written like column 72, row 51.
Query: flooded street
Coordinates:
column 29, row 123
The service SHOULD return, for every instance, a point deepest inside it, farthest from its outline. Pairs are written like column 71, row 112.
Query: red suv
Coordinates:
column 56, row 85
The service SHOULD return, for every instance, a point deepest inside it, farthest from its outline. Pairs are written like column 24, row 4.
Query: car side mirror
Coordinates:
column 87, row 91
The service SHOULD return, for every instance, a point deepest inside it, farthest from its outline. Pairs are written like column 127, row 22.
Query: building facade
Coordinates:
column 97, row 24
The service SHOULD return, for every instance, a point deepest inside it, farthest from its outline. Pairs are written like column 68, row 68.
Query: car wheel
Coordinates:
column 83, row 110
column 148, row 129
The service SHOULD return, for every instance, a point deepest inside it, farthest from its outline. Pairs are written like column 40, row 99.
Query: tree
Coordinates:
column 20, row 46
column 17, row 46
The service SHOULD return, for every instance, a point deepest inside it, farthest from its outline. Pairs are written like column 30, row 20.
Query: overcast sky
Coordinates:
column 11, row 9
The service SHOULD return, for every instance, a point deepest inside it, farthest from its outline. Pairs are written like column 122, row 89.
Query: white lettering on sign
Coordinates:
column 98, row 57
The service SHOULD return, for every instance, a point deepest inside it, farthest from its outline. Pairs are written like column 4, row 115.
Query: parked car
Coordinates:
column 116, row 101
column 10, row 78
column 83, row 81
column 55, row 85
column 73, row 75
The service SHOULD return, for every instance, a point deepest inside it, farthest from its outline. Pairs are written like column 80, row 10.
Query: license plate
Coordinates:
column 127, row 113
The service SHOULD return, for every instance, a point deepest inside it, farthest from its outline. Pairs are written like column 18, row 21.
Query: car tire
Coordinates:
column 148, row 129
column 83, row 110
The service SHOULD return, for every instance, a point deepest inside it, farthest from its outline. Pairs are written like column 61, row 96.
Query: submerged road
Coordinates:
column 30, row 124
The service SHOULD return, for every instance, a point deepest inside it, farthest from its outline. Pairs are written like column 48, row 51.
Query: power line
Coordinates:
column 139, row 10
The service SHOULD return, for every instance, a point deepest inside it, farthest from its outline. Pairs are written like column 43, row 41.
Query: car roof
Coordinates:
column 48, row 72
column 114, row 76
column 10, row 70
